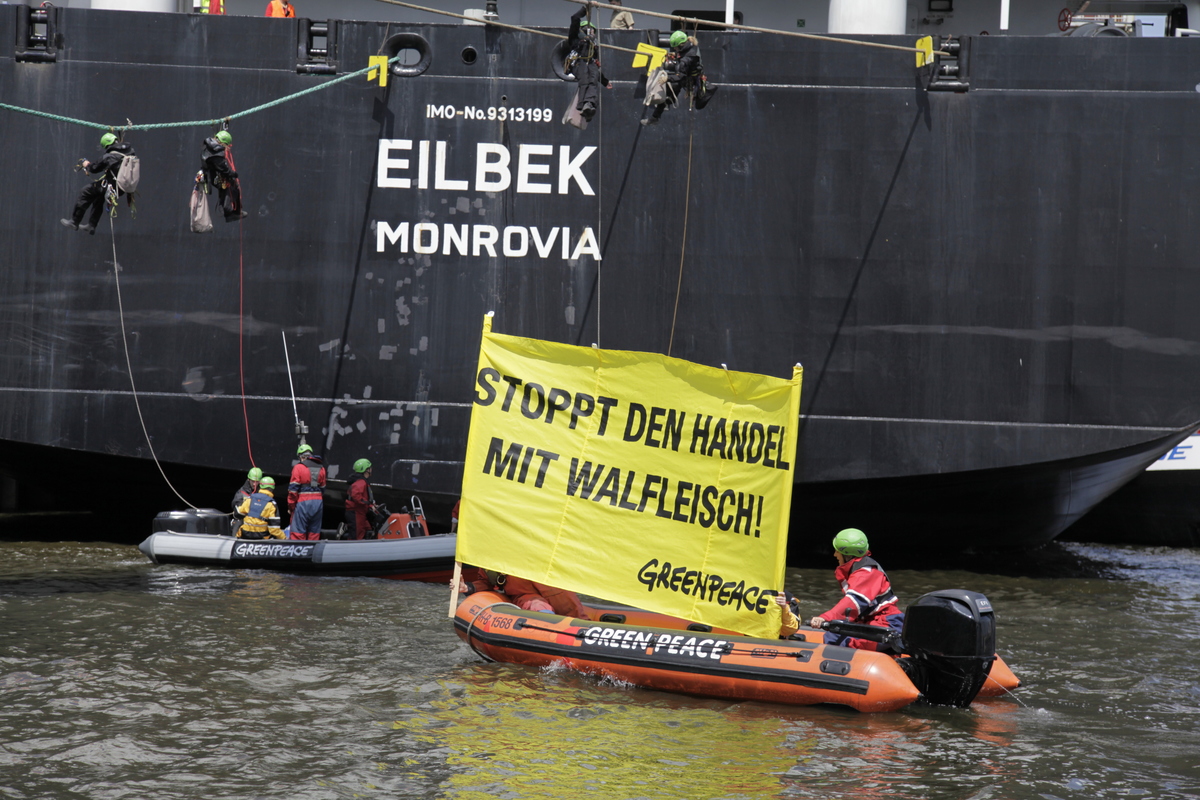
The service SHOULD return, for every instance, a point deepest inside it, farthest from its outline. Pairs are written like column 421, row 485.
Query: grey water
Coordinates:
column 123, row 679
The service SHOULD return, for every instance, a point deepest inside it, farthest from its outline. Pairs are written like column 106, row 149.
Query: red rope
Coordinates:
column 241, row 319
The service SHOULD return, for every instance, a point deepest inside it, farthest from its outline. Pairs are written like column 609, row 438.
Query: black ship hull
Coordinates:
column 984, row 285
column 1160, row 507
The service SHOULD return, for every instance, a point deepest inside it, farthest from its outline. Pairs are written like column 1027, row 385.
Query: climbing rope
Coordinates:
column 129, row 366
column 349, row 75
column 599, row 199
column 498, row 24
column 196, row 123
column 685, row 20
column 241, row 316
column 687, row 204
column 732, row 27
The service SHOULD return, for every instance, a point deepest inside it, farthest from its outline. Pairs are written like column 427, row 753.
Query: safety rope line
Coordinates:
column 129, row 366
column 1008, row 691
column 687, row 204
column 732, row 27
column 201, row 122
column 241, row 315
column 498, row 24
column 599, row 197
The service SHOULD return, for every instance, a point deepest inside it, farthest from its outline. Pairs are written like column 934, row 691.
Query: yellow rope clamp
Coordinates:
column 379, row 69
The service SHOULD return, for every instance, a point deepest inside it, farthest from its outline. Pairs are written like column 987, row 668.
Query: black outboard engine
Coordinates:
column 194, row 520
column 950, row 638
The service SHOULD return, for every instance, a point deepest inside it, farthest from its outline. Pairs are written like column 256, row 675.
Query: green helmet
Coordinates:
column 224, row 138
column 255, row 474
column 267, row 483
column 678, row 38
column 304, row 448
column 362, row 465
column 107, row 139
column 851, row 542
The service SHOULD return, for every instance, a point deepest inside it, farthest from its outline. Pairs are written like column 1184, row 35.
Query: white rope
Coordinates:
column 129, row 366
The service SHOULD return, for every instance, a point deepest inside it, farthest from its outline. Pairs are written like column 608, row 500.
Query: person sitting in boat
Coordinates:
column 260, row 517
column 360, row 502
column 525, row 594
column 306, row 503
column 789, row 611
column 248, row 488
column 583, row 61
column 868, row 600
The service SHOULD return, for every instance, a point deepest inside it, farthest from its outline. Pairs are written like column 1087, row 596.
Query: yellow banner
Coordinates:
column 633, row 477
column 649, row 57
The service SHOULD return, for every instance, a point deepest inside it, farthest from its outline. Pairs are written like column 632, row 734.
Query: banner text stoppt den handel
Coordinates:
column 634, row 477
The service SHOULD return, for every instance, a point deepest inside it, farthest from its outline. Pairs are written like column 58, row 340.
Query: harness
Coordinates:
column 313, row 489
column 314, row 474
column 584, row 50
column 210, row 173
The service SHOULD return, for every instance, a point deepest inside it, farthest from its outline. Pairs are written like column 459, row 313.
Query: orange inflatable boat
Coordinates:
column 1001, row 680
column 655, row 651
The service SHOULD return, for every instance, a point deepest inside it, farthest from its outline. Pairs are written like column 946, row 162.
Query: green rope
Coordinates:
column 197, row 123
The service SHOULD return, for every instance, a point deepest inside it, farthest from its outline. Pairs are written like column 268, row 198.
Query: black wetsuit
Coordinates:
column 93, row 194
column 584, row 63
column 218, row 173
column 683, row 69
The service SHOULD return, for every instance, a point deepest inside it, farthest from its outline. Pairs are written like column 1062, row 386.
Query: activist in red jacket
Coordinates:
column 868, row 597
column 305, row 498
column 360, row 502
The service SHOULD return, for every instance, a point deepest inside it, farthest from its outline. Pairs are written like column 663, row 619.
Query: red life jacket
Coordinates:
column 869, row 598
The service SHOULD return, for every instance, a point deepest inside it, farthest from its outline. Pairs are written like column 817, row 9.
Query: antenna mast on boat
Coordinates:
column 301, row 428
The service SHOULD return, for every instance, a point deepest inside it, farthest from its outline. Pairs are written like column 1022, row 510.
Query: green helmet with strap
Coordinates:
column 108, row 139
column 304, row 448
column 224, row 137
column 678, row 38
column 362, row 465
column 851, row 542
column 255, row 474
column 267, row 483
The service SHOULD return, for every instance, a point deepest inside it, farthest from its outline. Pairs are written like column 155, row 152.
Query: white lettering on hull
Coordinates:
column 536, row 171
column 513, row 241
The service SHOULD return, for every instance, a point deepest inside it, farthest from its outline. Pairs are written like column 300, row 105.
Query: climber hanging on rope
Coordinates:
column 103, row 188
column 218, row 172
column 681, row 72
column 583, row 61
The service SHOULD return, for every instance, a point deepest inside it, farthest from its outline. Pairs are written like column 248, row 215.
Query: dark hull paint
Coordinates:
column 988, row 289
column 1156, row 508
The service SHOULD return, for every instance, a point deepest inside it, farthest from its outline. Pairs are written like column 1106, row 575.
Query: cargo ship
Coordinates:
column 984, row 264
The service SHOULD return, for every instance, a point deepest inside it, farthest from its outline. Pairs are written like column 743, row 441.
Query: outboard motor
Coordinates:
column 950, row 638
